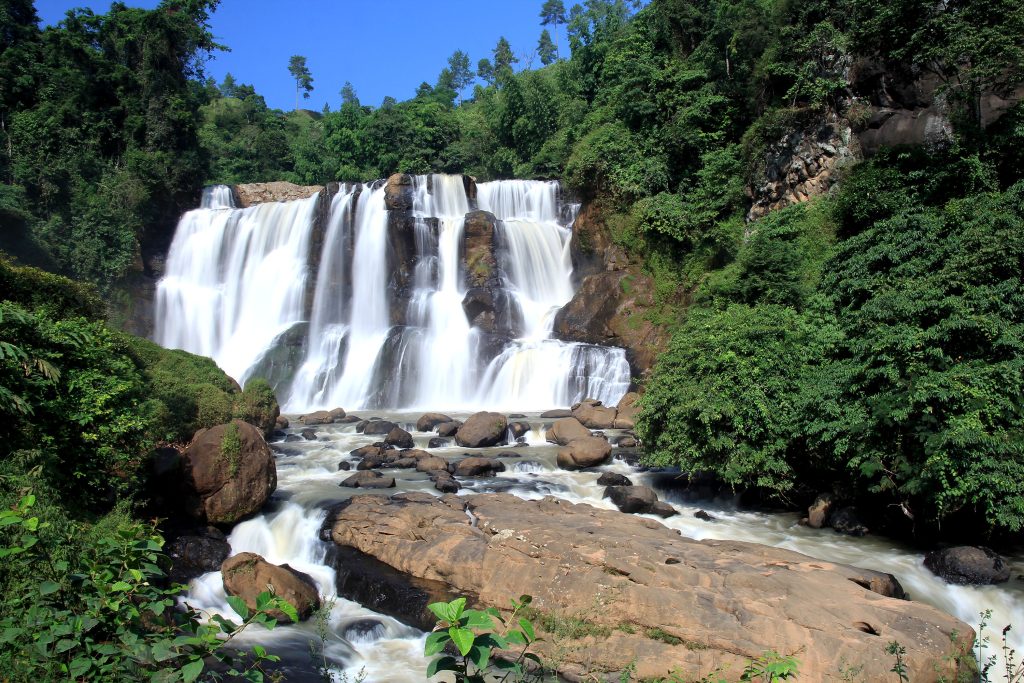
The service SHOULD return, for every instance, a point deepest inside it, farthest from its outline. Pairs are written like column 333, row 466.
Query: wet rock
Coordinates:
column 663, row 509
column 557, row 413
column 365, row 451
column 478, row 257
column 251, row 194
column 369, row 479
column 195, row 554
column 819, row 511
column 226, row 481
column 431, row 464
column 627, row 408
column 399, row 438
column 308, row 434
column 515, row 416
column 428, row 421
column 402, row 463
column 634, row 499
column 348, row 419
column 320, row 417
column 399, row 192
column 247, row 575
column 846, row 521
column 281, row 422
column 337, row 414
column 415, row 453
column 565, row 430
column 967, row 565
column 448, row 429
column 589, row 451
column 593, row 415
column 371, row 461
column 518, row 429
column 292, row 438
column 438, row 442
column 564, row 555
column 613, row 479
column 704, row 516
column 478, row 467
column 378, row 427
column 626, row 442
column 445, row 482
column 481, row 430
column 344, row 466
column 364, row 630
column 623, row 423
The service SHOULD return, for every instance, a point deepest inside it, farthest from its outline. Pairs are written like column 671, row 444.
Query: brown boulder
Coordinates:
column 556, row 413
column 229, row 472
column 399, row 438
column 447, row 429
column 398, row 192
column 247, row 575
column 819, row 511
column 482, row 430
column 726, row 601
column 428, row 421
column 431, row 464
column 369, row 479
column 478, row 467
column 319, row 417
column 250, row 194
column 378, row 427
column 589, row 451
column 627, row 408
column 565, row 430
column 593, row 415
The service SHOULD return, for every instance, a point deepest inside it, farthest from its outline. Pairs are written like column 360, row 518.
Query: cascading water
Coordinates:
column 235, row 280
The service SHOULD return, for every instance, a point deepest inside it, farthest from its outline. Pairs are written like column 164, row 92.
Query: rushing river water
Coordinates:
column 390, row 651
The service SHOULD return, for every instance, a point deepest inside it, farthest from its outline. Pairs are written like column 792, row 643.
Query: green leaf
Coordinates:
column 238, row 604
column 463, row 639
column 478, row 619
column 48, row 587
column 516, row 637
column 441, row 664
column 435, row 643
column 528, row 629
column 480, row 656
column 190, row 672
column 121, row 587
column 440, row 610
column 79, row 667
column 288, row 609
column 164, row 650
column 455, row 608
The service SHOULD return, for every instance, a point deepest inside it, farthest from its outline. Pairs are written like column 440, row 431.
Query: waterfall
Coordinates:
column 235, row 280
column 386, row 327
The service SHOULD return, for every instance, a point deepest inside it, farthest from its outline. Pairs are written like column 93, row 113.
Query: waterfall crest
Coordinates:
column 390, row 322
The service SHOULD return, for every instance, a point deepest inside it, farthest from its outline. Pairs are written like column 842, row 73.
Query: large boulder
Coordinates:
column 820, row 510
column 482, row 430
column 478, row 467
column 368, row 479
column 378, row 427
column 431, row 463
column 593, row 415
column 613, row 479
column 251, row 194
column 555, row 414
column 247, row 575
column 727, row 602
column 228, row 473
column 968, row 564
column 589, row 451
column 448, row 429
column 638, row 500
column 398, row 192
column 565, row 430
column 428, row 421
column 399, row 438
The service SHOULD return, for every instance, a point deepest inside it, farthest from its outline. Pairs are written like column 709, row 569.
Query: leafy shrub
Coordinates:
column 107, row 613
column 57, row 296
column 723, row 397
column 257, row 405
column 475, row 634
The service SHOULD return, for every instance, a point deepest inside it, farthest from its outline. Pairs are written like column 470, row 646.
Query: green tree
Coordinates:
column 348, row 94
column 228, row 87
column 460, row 72
column 303, row 78
column 503, row 60
column 551, row 14
column 485, row 71
column 546, row 49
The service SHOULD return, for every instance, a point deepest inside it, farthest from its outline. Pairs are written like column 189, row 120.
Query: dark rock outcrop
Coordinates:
column 399, row 438
column 478, row 467
column 369, row 479
column 967, row 564
column 429, row 421
column 613, row 479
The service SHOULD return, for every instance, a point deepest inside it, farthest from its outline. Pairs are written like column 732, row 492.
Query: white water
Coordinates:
column 235, row 280
column 236, row 283
column 309, row 477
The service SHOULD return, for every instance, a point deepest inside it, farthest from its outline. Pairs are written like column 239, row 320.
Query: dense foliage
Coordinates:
column 99, row 150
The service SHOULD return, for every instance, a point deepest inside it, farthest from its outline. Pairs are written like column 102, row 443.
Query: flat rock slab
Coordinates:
column 725, row 601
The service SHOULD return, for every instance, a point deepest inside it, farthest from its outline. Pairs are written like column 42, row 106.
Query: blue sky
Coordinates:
column 382, row 48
